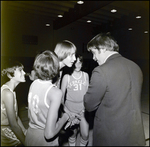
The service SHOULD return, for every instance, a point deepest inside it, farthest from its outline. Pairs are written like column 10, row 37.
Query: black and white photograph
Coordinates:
column 74, row 73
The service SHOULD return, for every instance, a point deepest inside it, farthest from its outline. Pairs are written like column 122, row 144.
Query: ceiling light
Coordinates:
column 138, row 16
column 113, row 10
column 60, row 16
column 88, row 21
column 130, row 29
column 80, row 2
column 47, row 25
column 145, row 32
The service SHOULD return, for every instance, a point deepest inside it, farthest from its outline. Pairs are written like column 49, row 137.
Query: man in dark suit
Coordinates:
column 115, row 94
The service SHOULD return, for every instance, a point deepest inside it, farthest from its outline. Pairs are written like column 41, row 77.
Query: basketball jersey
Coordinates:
column 37, row 103
column 76, row 90
column 8, row 138
column 4, row 118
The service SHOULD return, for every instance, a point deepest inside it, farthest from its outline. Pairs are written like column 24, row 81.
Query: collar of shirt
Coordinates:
column 110, row 55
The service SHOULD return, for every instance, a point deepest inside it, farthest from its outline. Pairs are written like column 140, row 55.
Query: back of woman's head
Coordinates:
column 103, row 40
column 46, row 65
column 8, row 68
column 64, row 48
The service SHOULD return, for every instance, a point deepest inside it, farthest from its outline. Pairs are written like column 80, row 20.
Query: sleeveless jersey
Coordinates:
column 8, row 138
column 37, row 103
column 4, row 118
column 76, row 90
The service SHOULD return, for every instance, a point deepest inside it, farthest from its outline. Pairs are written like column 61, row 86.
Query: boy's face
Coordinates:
column 19, row 75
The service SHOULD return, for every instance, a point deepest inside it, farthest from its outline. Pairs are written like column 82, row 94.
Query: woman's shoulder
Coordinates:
column 55, row 91
column 55, row 94
column 66, row 76
column 85, row 73
column 7, row 92
column 7, row 95
column 6, row 89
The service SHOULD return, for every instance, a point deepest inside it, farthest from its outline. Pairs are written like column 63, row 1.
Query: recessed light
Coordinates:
column 47, row 25
column 130, row 29
column 60, row 16
column 80, row 2
column 145, row 32
column 88, row 21
column 113, row 10
column 138, row 16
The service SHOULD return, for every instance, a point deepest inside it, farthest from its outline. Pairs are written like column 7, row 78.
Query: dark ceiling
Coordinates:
column 96, row 11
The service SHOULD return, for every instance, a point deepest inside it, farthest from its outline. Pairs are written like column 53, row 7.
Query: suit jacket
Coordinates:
column 115, row 93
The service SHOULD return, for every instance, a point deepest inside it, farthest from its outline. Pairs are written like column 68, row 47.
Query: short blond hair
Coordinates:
column 64, row 48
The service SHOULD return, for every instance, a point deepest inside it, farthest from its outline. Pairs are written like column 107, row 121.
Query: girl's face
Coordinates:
column 19, row 75
column 69, row 60
column 78, row 65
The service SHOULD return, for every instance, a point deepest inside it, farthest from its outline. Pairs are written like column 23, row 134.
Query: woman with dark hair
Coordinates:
column 12, row 130
column 75, row 86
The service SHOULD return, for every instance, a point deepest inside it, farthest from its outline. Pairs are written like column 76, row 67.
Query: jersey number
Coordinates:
column 34, row 103
column 77, row 87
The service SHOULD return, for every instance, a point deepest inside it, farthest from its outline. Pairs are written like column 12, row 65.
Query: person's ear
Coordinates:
column 9, row 76
column 103, row 50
